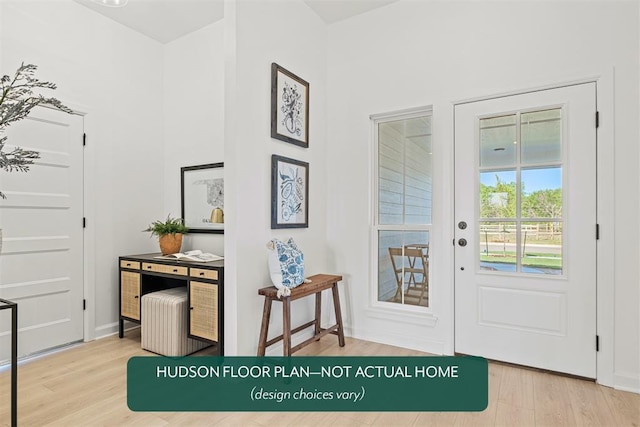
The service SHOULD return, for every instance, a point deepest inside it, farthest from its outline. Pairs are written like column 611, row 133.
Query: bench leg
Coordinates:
column 264, row 329
column 318, row 312
column 286, row 326
column 336, row 306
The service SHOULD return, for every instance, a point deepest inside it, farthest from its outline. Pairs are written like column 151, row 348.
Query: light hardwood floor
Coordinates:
column 86, row 386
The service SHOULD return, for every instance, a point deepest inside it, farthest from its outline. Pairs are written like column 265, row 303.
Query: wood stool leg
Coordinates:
column 336, row 306
column 318, row 312
column 286, row 326
column 264, row 329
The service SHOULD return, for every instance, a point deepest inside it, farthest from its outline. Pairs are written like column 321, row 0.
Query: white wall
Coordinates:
column 258, row 33
column 113, row 74
column 412, row 54
column 2, row 67
column 193, row 116
column 404, row 55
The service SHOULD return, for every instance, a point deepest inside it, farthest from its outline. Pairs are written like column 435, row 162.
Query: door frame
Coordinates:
column 88, row 235
column 90, row 229
column 605, row 260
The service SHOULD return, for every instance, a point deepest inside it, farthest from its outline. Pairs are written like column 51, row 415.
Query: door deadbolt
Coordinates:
column 462, row 242
column 462, row 225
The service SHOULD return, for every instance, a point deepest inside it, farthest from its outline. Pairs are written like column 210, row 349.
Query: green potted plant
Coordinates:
column 169, row 234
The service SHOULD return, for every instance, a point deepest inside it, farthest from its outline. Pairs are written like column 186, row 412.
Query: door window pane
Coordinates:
column 542, row 193
column 541, row 136
column 403, row 267
column 498, row 194
column 521, row 199
column 498, row 246
column 542, row 247
column 498, row 141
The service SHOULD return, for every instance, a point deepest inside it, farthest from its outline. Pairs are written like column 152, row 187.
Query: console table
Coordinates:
column 142, row 274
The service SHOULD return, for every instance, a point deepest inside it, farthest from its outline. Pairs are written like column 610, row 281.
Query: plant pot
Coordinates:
column 170, row 243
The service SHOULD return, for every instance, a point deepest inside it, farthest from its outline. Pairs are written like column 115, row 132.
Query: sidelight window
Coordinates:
column 402, row 208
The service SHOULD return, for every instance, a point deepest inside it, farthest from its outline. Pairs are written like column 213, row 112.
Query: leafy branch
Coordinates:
column 17, row 99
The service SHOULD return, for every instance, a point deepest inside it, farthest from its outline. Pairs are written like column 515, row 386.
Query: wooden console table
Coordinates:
column 142, row 274
column 319, row 283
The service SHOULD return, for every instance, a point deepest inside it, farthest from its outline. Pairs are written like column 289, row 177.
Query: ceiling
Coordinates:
column 167, row 20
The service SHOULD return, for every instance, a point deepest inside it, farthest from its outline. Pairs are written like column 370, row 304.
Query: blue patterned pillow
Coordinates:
column 286, row 265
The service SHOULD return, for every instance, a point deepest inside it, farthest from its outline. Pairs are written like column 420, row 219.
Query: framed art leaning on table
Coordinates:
column 202, row 197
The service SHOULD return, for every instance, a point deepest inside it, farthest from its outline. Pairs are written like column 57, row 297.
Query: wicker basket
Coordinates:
column 170, row 243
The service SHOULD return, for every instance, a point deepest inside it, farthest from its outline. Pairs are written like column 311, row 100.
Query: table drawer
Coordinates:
column 202, row 273
column 162, row 268
column 133, row 265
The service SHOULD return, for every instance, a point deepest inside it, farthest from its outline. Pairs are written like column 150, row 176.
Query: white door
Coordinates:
column 525, row 205
column 41, row 264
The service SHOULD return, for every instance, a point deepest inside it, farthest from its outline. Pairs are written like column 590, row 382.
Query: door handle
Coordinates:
column 462, row 242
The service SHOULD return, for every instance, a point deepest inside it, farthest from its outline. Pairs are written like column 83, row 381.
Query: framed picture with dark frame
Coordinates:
column 289, row 193
column 289, row 107
column 202, row 197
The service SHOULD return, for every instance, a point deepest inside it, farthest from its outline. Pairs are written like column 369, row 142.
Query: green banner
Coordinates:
column 307, row 384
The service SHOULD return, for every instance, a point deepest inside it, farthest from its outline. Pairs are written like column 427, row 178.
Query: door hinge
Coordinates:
column 84, row 222
column 597, row 231
column 597, row 343
column 84, row 304
column 597, row 119
column 84, row 139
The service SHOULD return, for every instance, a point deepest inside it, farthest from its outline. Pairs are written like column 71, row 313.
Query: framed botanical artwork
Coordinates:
column 289, row 107
column 202, row 199
column 289, row 193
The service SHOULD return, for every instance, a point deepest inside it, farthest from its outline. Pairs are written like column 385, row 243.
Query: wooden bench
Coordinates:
column 319, row 283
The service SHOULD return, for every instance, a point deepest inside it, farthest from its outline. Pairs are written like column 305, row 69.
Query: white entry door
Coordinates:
column 41, row 264
column 525, row 218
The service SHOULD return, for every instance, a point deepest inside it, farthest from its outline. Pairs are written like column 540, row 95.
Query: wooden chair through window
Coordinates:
column 411, row 268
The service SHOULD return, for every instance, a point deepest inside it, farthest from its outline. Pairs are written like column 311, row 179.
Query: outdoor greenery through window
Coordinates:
column 403, row 208
column 520, row 194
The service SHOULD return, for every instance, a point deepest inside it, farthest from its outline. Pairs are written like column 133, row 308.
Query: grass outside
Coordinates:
column 556, row 241
column 532, row 259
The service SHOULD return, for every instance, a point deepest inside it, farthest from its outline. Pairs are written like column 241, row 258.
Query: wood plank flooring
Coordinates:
column 86, row 386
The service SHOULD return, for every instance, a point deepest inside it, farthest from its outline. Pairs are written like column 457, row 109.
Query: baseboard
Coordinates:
column 627, row 382
column 398, row 340
column 110, row 329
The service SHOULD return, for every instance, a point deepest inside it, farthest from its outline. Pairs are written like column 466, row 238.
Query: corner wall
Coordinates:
column 193, row 116
column 258, row 33
column 411, row 54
